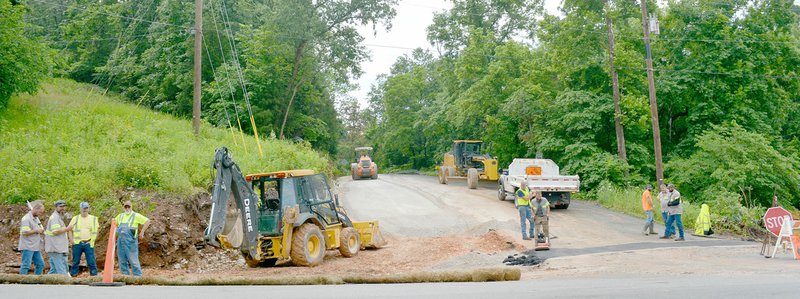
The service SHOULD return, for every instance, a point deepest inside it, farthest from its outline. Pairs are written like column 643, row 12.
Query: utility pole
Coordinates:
column 623, row 155
column 652, row 87
column 198, row 62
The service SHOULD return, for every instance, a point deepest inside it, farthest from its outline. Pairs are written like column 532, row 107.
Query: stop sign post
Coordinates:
column 774, row 218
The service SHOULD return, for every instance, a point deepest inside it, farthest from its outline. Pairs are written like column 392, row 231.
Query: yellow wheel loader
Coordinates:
column 282, row 216
column 467, row 161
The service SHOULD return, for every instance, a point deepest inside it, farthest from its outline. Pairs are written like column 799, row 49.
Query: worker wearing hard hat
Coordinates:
column 130, row 229
column 85, row 228
column 30, row 239
column 523, row 203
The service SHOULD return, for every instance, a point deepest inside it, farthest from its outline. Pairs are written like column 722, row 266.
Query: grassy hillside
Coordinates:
column 68, row 142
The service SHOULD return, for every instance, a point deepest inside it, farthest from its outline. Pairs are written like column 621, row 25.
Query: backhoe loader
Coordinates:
column 284, row 216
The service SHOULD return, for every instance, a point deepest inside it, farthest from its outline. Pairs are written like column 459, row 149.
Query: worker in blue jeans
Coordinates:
column 130, row 229
column 663, row 196
column 83, row 237
column 523, row 203
column 30, row 239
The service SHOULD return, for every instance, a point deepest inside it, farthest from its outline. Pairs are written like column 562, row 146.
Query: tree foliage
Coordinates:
column 726, row 80
column 24, row 62
column 271, row 52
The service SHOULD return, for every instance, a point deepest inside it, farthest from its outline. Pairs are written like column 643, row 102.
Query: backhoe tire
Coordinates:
column 308, row 245
column 440, row 174
column 375, row 176
column 349, row 242
column 472, row 178
column 353, row 173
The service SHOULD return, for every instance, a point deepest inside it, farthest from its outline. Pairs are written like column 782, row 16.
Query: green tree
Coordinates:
column 24, row 62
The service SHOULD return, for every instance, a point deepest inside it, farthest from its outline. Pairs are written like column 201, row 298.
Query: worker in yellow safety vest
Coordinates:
column 703, row 223
column 523, row 203
column 82, row 237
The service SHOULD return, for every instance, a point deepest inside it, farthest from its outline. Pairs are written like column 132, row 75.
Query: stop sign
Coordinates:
column 773, row 219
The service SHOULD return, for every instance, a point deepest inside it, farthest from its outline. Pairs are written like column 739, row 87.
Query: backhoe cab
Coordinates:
column 282, row 215
column 364, row 167
column 467, row 160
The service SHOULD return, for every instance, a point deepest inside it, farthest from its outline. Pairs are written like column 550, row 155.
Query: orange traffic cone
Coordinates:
column 108, row 269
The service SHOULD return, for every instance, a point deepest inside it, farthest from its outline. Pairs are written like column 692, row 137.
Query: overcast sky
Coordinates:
column 407, row 33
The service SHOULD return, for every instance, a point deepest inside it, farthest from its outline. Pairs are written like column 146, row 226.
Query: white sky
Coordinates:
column 408, row 32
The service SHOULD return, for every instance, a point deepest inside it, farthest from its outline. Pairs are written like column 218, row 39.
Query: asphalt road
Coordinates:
column 677, row 286
column 416, row 205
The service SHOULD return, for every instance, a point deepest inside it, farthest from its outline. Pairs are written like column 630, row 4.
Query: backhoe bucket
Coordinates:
column 370, row 234
column 232, row 235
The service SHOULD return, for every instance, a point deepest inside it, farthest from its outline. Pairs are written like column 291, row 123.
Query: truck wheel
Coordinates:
column 349, row 242
column 308, row 245
column 375, row 175
column 353, row 172
column 564, row 207
column 501, row 192
column 472, row 178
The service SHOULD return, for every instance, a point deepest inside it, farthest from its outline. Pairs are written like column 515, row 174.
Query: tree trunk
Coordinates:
column 621, row 151
column 292, row 87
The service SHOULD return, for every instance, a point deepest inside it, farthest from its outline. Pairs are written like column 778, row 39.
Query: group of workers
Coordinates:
column 81, row 234
column 671, row 211
column 533, row 210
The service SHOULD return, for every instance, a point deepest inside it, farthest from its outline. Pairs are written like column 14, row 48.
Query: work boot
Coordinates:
column 525, row 238
column 680, row 239
column 645, row 229
column 664, row 237
column 652, row 232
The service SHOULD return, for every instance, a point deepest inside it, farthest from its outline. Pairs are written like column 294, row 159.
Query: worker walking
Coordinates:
column 130, row 229
column 647, row 206
column 541, row 215
column 523, row 203
column 56, row 242
column 30, row 239
column 674, row 209
column 85, row 233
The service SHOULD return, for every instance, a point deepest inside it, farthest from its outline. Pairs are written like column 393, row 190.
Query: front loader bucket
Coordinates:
column 370, row 234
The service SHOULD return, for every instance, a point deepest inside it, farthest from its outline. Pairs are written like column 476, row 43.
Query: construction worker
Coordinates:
column 674, row 210
column 85, row 233
column 56, row 240
column 130, row 229
column 703, row 222
column 647, row 206
column 541, row 214
column 662, row 198
column 30, row 239
column 523, row 203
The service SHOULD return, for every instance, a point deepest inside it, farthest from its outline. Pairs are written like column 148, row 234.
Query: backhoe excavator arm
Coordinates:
column 229, row 180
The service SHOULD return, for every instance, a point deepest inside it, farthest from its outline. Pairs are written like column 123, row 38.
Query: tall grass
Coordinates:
column 629, row 201
column 68, row 142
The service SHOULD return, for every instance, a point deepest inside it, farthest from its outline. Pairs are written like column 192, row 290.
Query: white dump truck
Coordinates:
column 542, row 175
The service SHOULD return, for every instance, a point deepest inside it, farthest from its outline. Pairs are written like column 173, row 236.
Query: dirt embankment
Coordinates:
column 174, row 239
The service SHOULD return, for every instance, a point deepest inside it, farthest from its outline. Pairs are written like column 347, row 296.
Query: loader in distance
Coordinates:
column 466, row 160
column 364, row 167
column 282, row 216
